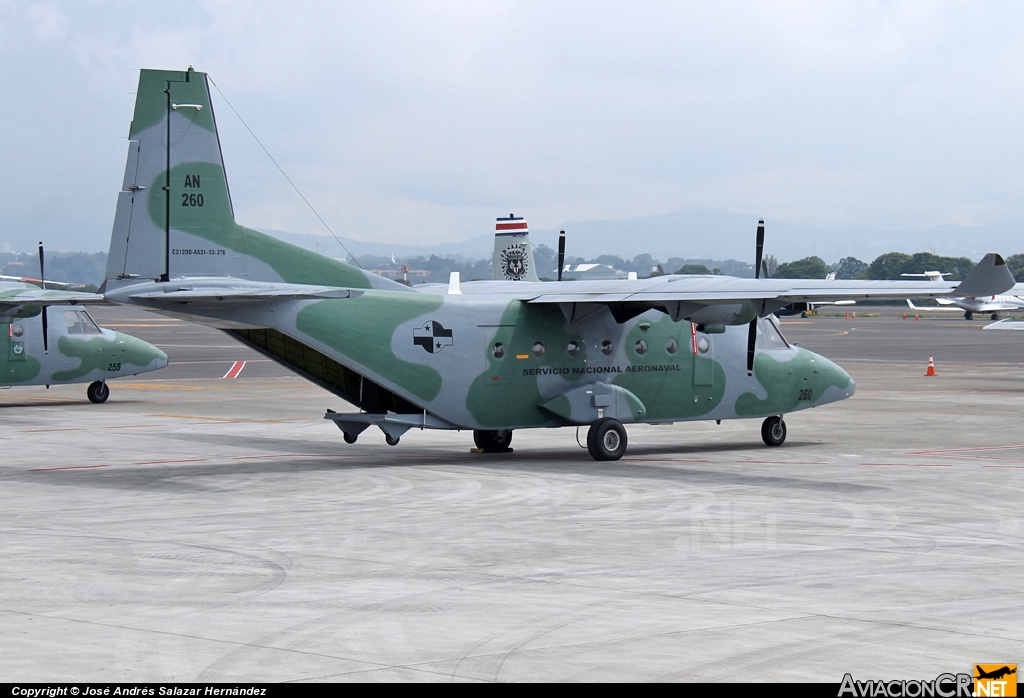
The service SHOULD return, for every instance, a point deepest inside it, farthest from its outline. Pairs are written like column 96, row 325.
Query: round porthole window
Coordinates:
column 538, row 349
column 607, row 347
column 671, row 346
column 703, row 344
column 498, row 350
column 573, row 348
column 641, row 347
column 17, row 330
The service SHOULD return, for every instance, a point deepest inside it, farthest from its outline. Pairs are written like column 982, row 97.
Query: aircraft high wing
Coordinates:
column 487, row 356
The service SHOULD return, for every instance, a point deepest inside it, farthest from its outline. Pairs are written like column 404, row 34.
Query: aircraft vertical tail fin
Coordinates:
column 174, row 216
column 512, row 259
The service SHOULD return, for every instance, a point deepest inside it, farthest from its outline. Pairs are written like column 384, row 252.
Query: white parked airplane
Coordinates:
column 983, row 304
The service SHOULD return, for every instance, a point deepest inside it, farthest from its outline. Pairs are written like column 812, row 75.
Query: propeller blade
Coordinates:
column 764, row 269
column 751, row 341
column 42, row 279
column 561, row 253
column 42, row 270
column 760, row 249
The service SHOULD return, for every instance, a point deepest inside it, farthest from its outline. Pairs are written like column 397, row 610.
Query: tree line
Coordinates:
column 891, row 265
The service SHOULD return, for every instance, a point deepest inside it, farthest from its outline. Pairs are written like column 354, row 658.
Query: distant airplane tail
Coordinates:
column 512, row 259
column 174, row 216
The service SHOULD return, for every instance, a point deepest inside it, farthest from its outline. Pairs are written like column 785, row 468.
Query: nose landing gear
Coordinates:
column 773, row 431
column 98, row 392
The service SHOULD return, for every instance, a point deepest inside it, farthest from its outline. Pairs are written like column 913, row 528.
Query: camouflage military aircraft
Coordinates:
column 47, row 345
column 489, row 356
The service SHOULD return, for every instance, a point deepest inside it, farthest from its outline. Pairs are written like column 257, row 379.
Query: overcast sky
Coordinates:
column 420, row 122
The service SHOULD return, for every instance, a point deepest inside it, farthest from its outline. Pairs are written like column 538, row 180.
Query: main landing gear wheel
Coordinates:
column 773, row 431
column 492, row 441
column 968, row 315
column 995, row 316
column 390, row 440
column 349, row 438
column 606, row 439
column 98, row 392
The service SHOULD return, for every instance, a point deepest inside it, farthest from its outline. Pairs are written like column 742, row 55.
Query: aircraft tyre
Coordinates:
column 350, row 438
column 968, row 315
column 995, row 316
column 391, row 441
column 492, row 441
column 606, row 439
column 98, row 392
column 773, row 431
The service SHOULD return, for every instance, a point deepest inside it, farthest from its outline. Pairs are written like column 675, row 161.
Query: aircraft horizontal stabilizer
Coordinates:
column 990, row 278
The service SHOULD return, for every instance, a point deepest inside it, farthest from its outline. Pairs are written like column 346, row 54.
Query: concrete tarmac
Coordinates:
column 201, row 529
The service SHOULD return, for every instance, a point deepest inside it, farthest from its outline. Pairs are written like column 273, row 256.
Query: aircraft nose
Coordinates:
column 141, row 353
column 161, row 357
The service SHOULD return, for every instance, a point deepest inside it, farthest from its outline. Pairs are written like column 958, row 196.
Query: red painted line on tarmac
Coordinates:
column 161, row 462
column 912, row 465
column 235, row 369
column 70, row 467
column 1019, row 467
column 785, row 462
column 668, row 460
column 295, row 455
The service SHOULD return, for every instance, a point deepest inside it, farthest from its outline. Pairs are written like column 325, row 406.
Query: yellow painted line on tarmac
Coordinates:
column 42, row 399
column 159, row 386
column 229, row 419
column 38, row 431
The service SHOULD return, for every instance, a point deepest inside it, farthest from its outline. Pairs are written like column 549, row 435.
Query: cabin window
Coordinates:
column 641, row 347
column 703, row 345
column 671, row 346
column 574, row 348
column 498, row 350
column 538, row 349
column 17, row 330
column 607, row 347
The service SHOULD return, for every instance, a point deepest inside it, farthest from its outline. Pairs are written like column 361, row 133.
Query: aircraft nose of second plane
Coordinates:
column 141, row 353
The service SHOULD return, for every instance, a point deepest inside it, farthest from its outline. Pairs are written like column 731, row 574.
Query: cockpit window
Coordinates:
column 79, row 322
column 775, row 338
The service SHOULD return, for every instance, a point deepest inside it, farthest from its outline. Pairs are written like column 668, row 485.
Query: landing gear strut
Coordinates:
column 98, row 392
column 492, row 441
column 606, row 439
column 773, row 431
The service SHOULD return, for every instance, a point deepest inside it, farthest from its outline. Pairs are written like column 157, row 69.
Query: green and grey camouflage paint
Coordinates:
column 479, row 358
column 71, row 356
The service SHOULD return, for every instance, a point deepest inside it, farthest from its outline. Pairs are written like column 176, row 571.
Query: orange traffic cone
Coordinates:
column 854, row 314
column 847, row 314
column 931, row 366
column 904, row 316
column 916, row 318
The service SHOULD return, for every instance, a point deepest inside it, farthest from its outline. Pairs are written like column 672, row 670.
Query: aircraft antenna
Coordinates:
column 283, row 173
